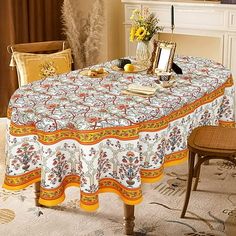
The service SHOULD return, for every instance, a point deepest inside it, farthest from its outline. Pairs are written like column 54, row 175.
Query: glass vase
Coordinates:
column 142, row 52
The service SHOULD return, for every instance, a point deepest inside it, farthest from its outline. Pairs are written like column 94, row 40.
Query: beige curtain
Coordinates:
column 84, row 27
column 24, row 21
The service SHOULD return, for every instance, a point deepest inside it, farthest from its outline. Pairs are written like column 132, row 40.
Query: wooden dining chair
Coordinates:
column 205, row 143
column 42, row 47
column 36, row 50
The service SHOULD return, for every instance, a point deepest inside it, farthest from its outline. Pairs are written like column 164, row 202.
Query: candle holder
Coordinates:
column 172, row 21
column 172, row 32
column 172, row 28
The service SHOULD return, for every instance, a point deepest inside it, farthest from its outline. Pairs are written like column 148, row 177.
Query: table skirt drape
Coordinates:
column 72, row 130
column 109, row 160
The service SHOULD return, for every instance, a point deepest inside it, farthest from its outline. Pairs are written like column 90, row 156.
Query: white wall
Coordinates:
column 190, row 45
column 113, row 42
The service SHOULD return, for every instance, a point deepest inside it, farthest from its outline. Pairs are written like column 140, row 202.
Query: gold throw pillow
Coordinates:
column 32, row 67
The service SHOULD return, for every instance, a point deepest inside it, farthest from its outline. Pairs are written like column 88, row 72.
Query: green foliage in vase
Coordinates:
column 144, row 26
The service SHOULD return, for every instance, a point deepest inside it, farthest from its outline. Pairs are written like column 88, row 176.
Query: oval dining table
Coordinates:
column 73, row 130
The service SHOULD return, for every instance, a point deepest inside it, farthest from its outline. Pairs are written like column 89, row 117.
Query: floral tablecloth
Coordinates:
column 72, row 130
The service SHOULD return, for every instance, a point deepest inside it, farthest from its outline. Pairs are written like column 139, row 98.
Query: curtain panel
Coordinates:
column 24, row 21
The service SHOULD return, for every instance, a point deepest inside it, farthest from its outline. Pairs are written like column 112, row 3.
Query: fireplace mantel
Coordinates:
column 194, row 18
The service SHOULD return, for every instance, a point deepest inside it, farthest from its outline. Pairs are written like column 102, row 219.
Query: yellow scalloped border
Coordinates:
column 89, row 201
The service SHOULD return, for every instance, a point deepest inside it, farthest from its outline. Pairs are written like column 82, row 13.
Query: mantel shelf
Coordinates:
column 198, row 3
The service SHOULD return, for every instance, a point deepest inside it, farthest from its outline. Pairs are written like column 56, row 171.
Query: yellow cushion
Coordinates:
column 32, row 67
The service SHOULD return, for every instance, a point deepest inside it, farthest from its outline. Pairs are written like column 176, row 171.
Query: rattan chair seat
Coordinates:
column 213, row 141
column 206, row 143
column 215, row 137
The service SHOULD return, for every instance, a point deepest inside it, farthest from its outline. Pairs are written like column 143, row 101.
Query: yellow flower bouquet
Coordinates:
column 144, row 26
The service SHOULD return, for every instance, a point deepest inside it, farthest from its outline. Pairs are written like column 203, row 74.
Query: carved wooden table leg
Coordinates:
column 128, row 219
column 37, row 193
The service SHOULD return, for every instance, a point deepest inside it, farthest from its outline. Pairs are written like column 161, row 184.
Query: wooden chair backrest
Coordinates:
column 48, row 46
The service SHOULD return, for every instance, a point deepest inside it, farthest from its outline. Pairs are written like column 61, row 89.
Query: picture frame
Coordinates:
column 162, row 56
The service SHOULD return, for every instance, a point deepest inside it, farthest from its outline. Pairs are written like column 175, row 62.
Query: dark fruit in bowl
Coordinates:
column 122, row 62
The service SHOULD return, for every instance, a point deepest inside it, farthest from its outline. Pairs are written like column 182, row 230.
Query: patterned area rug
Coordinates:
column 211, row 211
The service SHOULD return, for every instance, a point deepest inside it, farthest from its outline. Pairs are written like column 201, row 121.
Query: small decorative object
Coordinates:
column 144, row 26
column 162, row 56
column 122, row 62
column 168, row 84
column 164, row 76
column 176, row 69
column 142, row 51
column 172, row 19
column 165, row 79
column 94, row 73
column 129, row 68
